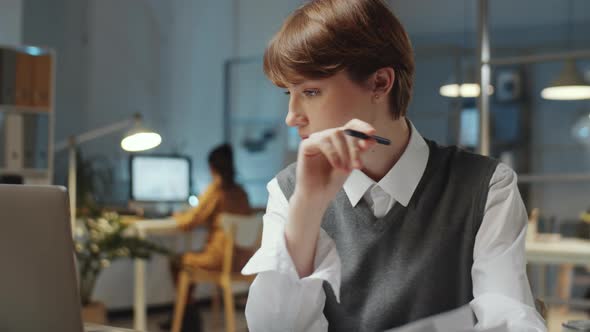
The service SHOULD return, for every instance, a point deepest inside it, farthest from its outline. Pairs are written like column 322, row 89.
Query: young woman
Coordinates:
column 361, row 236
column 222, row 195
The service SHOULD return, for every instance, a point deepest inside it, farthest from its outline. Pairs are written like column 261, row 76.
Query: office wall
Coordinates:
column 62, row 26
column 11, row 22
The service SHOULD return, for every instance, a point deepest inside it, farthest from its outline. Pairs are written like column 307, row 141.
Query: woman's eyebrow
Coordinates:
column 308, row 84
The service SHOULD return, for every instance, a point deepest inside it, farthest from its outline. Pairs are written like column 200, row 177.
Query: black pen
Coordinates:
column 379, row 139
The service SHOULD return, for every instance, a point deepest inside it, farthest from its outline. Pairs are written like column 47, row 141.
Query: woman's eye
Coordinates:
column 287, row 92
column 311, row 92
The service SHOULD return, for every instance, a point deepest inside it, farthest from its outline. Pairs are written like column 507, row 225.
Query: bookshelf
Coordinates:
column 27, row 116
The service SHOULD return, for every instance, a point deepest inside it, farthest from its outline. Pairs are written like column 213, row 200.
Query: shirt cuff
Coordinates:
column 492, row 309
column 274, row 256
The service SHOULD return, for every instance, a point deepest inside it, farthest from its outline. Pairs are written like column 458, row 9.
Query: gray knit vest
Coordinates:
column 416, row 260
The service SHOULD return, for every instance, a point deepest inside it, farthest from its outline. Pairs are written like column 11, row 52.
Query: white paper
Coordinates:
column 455, row 320
column 458, row 320
column 500, row 328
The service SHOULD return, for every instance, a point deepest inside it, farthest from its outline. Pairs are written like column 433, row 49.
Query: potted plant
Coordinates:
column 100, row 240
column 100, row 236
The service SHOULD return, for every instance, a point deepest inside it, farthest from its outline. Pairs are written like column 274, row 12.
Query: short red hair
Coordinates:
column 324, row 37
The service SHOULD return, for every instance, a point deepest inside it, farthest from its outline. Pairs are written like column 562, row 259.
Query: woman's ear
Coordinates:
column 383, row 80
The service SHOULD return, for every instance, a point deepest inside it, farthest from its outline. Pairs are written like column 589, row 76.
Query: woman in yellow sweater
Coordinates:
column 222, row 195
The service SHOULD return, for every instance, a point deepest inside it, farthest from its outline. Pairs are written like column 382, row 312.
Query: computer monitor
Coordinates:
column 469, row 127
column 160, row 178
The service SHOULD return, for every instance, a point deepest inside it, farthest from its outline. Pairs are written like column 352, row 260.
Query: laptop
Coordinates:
column 38, row 280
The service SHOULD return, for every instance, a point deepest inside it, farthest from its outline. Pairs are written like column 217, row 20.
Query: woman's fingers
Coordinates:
column 340, row 150
column 354, row 151
column 330, row 152
column 366, row 144
column 356, row 148
column 340, row 142
column 361, row 126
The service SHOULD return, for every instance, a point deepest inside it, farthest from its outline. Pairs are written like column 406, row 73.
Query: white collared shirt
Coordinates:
column 281, row 301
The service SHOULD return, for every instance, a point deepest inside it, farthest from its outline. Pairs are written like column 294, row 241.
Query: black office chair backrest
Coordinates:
column 11, row 179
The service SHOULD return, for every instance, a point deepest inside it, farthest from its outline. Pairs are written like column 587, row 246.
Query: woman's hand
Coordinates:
column 324, row 162
column 326, row 159
column 181, row 222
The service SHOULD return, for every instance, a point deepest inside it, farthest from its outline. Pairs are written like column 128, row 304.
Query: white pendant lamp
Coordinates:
column 569, row 85
column 468, row 88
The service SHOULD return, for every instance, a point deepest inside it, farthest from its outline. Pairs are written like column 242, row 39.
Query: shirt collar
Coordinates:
column 401, row 180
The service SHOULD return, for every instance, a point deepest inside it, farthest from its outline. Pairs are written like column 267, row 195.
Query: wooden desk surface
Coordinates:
column 90, row 327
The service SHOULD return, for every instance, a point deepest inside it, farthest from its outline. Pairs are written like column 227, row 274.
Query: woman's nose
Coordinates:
column 291, row 118
column 296, row 116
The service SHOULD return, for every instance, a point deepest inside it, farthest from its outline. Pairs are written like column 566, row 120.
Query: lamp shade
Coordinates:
column 469, row 88
column 140, row 138
column 569, row 85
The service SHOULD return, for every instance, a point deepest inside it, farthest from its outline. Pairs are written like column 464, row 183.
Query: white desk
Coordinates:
column 164, row 227
column 144, row 228
column 565, row 252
